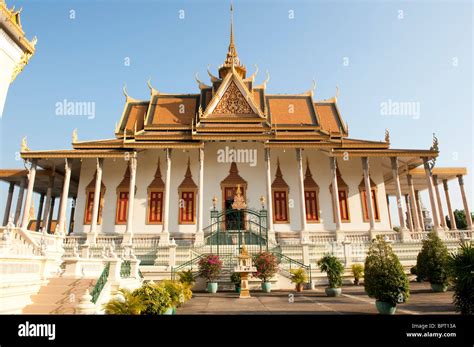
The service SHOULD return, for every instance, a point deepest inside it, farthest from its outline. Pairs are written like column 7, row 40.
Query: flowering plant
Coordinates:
column 266, row 264
column 210, row 267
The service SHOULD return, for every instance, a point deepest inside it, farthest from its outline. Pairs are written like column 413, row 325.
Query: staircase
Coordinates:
column 59, row 296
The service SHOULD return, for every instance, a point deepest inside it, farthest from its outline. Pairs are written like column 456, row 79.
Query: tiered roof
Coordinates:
column 231, row 107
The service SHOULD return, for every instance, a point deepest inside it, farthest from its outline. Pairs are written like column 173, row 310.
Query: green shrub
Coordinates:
column 236, row 278
column 125, row 303
column 333, row 268
column 461, row 269
column 155, row 298
column 186, row 277
column 178, row 292
column 299, row 276
column 385, row 279
column 432, row 261
column 266, row 265
column 357, row 272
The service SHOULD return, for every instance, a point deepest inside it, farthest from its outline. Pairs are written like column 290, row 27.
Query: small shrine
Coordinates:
column 245, row 267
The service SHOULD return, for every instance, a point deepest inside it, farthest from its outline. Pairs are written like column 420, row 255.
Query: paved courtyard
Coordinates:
column 353, row 301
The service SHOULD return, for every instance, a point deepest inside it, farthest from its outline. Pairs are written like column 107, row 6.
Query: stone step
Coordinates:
column 48, row 309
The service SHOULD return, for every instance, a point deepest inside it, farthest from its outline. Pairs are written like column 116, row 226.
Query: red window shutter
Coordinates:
column 374, row 204
column 155, row 207
column 122, row 207
column 343, row 205
column 90, row 205
column 311, row 205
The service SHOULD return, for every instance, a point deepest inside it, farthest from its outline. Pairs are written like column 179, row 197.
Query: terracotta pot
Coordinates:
column 299, row 287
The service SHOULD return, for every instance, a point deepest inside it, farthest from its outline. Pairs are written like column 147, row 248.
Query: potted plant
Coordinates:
column 432, row 262
column 210, row 267
column 267, row 266
column 299, row 277
column 357, row 272
column 334, row 270
column 460, row 269
column 384, row 277
column 236, row 279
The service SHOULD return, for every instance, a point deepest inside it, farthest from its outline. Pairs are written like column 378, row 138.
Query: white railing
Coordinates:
column 322, row 238
column 458, row 235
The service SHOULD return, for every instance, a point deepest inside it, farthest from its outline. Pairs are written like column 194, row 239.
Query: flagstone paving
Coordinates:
column 353, row 301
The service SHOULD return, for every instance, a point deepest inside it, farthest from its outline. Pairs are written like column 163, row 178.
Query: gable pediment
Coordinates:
column 232, row 100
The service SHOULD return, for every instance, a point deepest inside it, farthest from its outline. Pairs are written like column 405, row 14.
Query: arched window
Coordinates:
column 122, row 198
column 343, row 194
column 187, row 191
column 363, row 197
column 311, row 192
column 90, row 192
column 280, row 190
column 155, row 198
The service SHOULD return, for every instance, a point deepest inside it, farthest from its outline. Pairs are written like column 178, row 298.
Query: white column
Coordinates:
column 448, row 202
column 8, row 205
column 19, row 201
column 442, row 219
column 165, row 237
column 389, row 213
column 40, row 212
column 429, row 181
column 368, row 193
column 420, row 211
column 47, row 208
column 414, row 210
column 335, row 194
column 29, row 194
column 91, row 238
column 409, row 216
column 128, row 236
column 71, row 217
column 51, row 214
column 464, row 201
column 271, row 232
column 64, row 198
column 199, row 232
column 304, row 225
column 401, row 216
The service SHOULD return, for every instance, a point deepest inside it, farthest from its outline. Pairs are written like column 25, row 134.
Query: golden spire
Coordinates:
column 232, row 59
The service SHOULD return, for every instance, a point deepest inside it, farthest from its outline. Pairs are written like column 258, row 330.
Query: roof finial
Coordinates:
column 231, row 24
column 74, row 136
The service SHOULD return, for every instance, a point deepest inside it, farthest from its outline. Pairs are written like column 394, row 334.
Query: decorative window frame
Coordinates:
column 286, row 191
column 117, row 206
column 318, row 217
column 373, row 190
column 89, row 190
column 180, row 199
column 148, row 205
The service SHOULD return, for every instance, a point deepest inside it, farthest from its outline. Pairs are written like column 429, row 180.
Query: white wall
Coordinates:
column 215, row 172
column 10, row 55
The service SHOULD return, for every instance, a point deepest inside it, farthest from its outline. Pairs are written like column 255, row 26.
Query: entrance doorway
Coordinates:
column 234, row 219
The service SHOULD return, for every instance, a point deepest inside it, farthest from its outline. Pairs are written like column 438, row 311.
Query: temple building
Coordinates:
column 175, row 158
column 15, row 49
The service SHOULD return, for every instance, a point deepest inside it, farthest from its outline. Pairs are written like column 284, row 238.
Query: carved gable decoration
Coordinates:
column 233, row 102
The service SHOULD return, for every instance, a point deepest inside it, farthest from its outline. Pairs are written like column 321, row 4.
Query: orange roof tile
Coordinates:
column 328, row 117
column 172, row 109
column 291, row 110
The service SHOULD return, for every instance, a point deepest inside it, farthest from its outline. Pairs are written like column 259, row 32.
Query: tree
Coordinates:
column 461, row 269
column 431, row 262
column 385, row 279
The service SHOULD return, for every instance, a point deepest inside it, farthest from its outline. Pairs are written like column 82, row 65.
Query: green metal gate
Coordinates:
column 232, row 227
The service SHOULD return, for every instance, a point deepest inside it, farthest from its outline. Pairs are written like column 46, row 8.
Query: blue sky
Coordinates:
column 416, row 51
